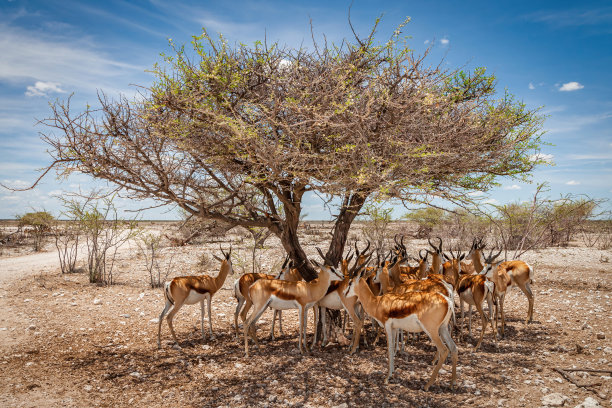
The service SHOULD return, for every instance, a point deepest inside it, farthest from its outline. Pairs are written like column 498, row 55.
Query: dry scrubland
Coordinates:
column 66, row 342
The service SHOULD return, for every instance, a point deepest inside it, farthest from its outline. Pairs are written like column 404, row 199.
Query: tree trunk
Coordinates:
column 350, row 209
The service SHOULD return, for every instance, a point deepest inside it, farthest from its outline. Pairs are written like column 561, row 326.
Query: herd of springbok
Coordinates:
column 397, row 296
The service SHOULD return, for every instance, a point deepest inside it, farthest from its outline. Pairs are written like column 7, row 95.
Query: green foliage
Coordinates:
column 40, row 222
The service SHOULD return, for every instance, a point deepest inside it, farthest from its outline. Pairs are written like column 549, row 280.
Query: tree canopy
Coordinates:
column 240, row 133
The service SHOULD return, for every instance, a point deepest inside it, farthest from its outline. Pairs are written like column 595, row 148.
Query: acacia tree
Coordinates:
column 241, row 133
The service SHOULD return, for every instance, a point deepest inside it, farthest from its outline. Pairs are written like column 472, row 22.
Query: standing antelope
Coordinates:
column 521, row 275
column 282, row 295
column 500, row 278
column 413, row 312
column 187, row 290
column 335, row 299
column 241, row 288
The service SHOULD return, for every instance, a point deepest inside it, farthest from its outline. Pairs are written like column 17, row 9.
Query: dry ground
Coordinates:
column 65, row 342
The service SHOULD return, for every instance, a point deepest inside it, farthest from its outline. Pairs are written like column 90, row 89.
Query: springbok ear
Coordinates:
column 217, row 258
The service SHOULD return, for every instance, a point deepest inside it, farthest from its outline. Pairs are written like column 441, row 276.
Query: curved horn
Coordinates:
column 321, row 253
column 421, row 256
column 368, row 247
column 356, row 249
column 285, row 263
column 402, row 243
column 224, row 254
column 492, row 257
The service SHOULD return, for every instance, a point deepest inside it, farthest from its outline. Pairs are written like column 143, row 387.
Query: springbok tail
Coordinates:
column 167, row 293
column 530, row 274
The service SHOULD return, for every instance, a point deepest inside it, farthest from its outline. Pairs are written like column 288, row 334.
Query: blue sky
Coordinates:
column 553, row 54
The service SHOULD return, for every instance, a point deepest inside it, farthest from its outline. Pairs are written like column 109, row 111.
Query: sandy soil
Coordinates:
column 65, row 342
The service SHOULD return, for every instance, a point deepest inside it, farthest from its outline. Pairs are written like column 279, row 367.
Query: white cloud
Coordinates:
column 491, row 201
column 475, row 193
column 426, row 42
column 542, row 156
column 41, row 88
column 49, row 59
column 531, row 86
column 571, row 86
column 572, row 183
column 513, row 187
column 603, row 156
column 444, row 41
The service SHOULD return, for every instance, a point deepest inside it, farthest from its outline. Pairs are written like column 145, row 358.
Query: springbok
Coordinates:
column 413, row 312
column 188, row 290
column 280, row 295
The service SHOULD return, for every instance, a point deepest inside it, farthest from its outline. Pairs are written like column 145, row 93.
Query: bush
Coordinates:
column 40, row 222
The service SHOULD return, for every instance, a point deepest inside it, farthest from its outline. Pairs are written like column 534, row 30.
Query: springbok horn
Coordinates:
column 368, row 247
column 224, row 255
column 321, row 253
column 356, row 250
column 285, row 263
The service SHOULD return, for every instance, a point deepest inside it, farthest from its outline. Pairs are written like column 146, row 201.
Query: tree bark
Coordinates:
column 350, row 209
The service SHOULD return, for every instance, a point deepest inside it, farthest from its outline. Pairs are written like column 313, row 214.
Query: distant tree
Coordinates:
column 426, row 219
column 40, row 222
column 241, row 133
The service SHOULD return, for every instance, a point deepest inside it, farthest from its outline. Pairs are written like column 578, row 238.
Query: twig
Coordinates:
column 587, row 370
column 570, row 379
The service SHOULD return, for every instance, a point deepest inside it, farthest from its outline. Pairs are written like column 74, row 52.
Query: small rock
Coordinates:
column 136, row 374
column 32, row 327
column 209, row 376
column 586, row 326
column 88, row 388
column 601, row 336
column 97, row 301
column 555, row 399
column 343, row 405
column 238, row 365
column 156, row 320
column 589, row 402
column 238, row 397
column 27, row 300
column 607, row 350
column 206, row 347
column 127, row 316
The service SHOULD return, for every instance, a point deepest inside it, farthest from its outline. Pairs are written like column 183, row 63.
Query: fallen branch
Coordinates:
column 569, row 378
column 587, row 370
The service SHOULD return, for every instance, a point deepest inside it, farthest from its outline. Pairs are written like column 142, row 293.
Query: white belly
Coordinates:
column 468, row 297
column 410, row 324
column 195, row 297
column 331, row 301
column 282, row 304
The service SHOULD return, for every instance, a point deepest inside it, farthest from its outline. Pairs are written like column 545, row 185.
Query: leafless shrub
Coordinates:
column 152, row 251
column 104, row 233
column 376, row 222
column 67, row 235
